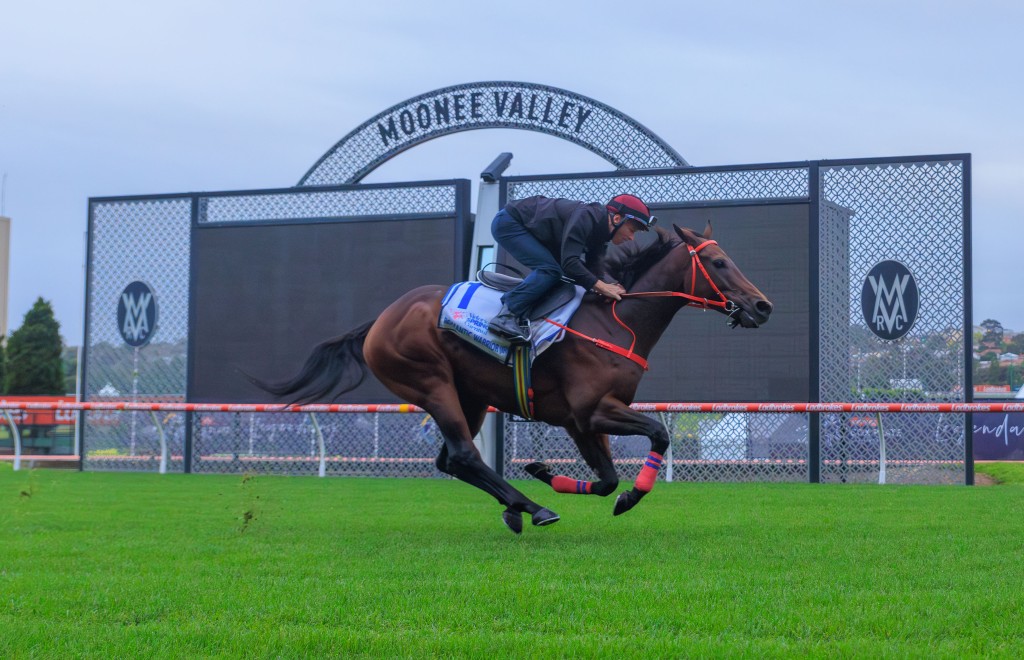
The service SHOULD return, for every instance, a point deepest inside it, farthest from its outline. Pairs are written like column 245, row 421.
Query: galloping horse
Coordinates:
column 583, row 384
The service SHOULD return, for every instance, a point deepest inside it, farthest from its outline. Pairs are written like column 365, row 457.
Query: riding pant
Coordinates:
column 527, row 250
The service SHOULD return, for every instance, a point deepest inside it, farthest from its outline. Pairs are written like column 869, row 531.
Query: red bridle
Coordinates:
column 692, row 300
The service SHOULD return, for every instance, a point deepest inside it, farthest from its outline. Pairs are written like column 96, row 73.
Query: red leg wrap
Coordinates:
column 566, row 485
column 649, row 473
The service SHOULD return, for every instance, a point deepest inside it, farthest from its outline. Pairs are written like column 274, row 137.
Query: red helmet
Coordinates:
column 632, row 208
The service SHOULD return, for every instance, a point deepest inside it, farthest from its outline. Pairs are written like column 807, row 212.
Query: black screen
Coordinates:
column 265, row 295
column 699, row 358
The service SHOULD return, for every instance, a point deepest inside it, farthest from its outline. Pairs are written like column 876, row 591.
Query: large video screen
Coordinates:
column 266, row 294
column 699, row 358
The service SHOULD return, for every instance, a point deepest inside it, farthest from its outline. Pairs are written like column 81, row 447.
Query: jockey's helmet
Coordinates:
column 632, row 208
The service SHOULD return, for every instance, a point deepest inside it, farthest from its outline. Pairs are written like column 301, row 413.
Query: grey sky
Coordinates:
column 112, row 98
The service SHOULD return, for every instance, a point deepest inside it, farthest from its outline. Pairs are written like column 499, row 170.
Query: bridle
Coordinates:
column 728, row 306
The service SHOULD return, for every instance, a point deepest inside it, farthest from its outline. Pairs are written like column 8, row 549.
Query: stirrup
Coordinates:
column 514, row 329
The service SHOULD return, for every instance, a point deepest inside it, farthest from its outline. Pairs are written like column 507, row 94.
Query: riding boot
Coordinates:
column 507, row 325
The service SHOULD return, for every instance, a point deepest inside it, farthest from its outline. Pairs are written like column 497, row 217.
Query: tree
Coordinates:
column 993, row 335
column 34, row 354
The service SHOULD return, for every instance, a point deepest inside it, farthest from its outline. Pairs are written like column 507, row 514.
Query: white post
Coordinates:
column 376, row 436
column 668, row 454
column 17, row 438
column 80, row 415
column 163, row 441
column 483, row 243
column 881, row 450
column 320, row 444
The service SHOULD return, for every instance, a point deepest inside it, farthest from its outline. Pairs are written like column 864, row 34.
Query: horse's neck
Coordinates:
column 648, row 317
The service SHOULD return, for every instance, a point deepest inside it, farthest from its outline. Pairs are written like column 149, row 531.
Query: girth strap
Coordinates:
column 520, row 355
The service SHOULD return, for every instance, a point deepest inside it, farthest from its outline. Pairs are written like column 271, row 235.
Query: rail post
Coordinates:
column 320, row 444
column 163, row 441
column 17, row 438
column 881, row 449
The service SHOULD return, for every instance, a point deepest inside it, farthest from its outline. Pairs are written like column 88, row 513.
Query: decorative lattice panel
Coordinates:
column 676, row 187
column 605, row 131
column 912, row 212
column 328, row 204
column 135, row 240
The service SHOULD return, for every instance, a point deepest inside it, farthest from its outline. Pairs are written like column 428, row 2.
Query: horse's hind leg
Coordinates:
column 460, row 458
column 596, row 451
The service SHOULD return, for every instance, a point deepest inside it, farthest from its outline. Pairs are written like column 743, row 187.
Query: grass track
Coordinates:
column 106, row 565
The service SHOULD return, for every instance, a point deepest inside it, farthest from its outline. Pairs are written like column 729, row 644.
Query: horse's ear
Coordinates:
column 707, row 230
column 679, row 232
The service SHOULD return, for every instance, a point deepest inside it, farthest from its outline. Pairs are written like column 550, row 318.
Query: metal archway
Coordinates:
column 610, row 134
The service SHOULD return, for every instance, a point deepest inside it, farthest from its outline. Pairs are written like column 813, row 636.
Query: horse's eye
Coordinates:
column 719, row 263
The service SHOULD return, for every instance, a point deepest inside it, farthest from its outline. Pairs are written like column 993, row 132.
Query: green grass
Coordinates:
column 1004, row 473
column 141, row 565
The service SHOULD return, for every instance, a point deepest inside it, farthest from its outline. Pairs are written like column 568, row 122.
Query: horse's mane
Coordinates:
column 628, row 261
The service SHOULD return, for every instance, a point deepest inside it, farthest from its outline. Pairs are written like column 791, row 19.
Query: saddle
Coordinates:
column 560, row 294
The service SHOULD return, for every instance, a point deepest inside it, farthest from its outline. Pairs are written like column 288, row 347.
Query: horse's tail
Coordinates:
column 336, row 365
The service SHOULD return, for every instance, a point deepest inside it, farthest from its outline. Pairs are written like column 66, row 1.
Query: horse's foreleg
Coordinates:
column 616, row 418
column 595, row 450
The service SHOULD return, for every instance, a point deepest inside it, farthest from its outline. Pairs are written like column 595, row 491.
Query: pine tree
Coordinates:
column 34, row 354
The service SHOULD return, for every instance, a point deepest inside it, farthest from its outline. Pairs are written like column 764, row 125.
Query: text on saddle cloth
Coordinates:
column 467, row 308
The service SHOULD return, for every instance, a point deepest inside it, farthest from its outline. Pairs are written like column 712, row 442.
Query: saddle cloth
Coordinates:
column 467, row 307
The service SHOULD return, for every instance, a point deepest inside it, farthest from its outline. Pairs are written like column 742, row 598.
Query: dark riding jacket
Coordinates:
column 576, row 233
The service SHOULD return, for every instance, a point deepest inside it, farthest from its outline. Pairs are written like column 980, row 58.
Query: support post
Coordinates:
column 668, row 454
column 881, row 449
column 17, row 438
column 163, row 441
column 320, row 444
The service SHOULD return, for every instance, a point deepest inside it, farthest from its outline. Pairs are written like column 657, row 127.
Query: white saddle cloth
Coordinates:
column 469, row 306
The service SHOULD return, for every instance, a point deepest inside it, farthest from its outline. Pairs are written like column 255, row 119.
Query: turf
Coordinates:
column 1004, row 473
column 116, row 565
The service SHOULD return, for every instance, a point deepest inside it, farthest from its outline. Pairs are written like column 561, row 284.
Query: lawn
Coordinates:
column 145, row 565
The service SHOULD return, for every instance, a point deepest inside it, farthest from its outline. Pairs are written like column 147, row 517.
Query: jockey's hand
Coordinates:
column 613, row 290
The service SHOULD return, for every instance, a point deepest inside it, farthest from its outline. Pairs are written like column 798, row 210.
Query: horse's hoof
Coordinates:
column 513, row 520
column 626, row 501
column 536, row 468
column 545, row 517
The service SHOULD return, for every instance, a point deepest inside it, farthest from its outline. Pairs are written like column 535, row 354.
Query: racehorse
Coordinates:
column 583, row 384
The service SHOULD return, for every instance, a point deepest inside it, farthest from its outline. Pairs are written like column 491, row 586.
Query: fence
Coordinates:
column 863, row 442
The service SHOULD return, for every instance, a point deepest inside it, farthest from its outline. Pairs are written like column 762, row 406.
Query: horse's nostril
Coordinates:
column 764, row 307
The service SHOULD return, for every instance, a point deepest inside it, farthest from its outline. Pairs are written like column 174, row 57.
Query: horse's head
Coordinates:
column 714, row 276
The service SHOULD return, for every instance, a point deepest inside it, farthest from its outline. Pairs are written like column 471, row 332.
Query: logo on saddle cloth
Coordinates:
column 467, row 308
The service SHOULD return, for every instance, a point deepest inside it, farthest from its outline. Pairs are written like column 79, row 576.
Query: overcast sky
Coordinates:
column 114, row 98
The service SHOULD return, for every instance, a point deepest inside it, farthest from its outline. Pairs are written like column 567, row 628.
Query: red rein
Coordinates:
column 693, row 301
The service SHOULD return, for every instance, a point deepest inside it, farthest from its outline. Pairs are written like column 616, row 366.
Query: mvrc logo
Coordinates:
column 136, row 314
column 890, row 300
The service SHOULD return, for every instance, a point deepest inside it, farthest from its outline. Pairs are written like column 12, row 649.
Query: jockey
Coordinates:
column 557, row 239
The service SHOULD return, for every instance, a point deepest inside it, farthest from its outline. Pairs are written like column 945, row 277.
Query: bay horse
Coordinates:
column 583, row 384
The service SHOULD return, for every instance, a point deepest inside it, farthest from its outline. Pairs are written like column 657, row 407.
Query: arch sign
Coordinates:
column 617, row 138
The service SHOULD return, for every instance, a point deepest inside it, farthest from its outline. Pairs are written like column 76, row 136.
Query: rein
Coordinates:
column 693, row 301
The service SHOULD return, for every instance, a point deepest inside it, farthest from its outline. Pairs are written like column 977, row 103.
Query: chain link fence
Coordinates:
column 704, row 447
